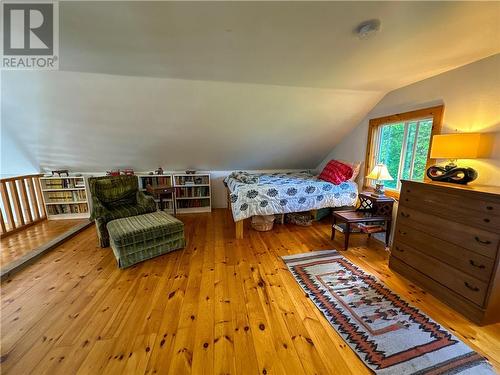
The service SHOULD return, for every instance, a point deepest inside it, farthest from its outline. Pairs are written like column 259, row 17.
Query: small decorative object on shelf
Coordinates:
column 128, row 172
column 113, row 172
column 65, row 197
column 159, row 170
column 379, row 173
column 453, row 147
column 190, row 171
column 59, row 172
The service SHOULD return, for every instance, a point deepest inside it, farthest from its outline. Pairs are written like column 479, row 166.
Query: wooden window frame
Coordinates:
column 374, row 124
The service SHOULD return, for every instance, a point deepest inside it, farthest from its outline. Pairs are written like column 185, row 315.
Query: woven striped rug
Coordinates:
column 389, row 335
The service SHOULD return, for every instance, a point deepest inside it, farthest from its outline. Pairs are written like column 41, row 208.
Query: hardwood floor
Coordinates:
column 220, row 306
column 18, row 244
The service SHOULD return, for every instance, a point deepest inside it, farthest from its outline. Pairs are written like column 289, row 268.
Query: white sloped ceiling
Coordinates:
column 226, row 85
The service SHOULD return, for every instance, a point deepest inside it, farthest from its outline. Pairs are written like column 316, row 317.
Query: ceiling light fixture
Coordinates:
column 367, row 29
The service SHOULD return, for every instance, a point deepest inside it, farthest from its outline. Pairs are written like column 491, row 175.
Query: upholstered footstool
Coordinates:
column 138, row 238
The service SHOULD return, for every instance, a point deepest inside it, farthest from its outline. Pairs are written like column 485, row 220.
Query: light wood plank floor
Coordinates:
column 16, row 245
column 220, row 306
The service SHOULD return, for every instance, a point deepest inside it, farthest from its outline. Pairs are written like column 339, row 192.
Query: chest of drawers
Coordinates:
column 447, row 241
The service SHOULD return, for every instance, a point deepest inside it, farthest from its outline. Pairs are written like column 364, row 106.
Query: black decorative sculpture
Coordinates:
column 452, row 173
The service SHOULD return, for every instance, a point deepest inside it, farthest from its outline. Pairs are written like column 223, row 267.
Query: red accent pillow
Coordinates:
column 336, row 172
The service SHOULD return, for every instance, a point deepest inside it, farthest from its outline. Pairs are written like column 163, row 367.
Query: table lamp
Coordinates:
column 379, row 173
column 453, row 147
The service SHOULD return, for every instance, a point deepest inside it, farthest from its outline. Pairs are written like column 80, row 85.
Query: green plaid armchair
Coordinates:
column 115, row 197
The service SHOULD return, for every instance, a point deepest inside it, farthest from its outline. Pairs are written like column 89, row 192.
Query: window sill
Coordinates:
column 393, row 194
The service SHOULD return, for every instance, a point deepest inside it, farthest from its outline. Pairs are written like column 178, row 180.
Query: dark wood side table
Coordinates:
column 371, row 210
column 162, row 191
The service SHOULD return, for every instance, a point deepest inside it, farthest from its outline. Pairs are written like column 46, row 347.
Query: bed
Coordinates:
column 278, row 193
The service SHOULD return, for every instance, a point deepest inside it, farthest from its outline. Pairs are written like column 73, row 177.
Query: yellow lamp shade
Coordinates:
column 380, row 172
column 457, row 146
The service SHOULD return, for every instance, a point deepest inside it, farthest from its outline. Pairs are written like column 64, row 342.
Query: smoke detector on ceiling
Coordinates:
column 367, row 29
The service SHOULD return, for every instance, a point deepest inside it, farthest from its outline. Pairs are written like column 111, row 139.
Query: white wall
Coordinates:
column 15, row 158
column 471, row 97
column 92, row 122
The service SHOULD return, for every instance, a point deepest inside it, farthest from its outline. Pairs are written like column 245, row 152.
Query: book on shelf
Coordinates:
column 361, row 227
column 60, row 209
column 156, row 181
column 371, row 228
column 341, row 227
column 194, row 203
column 66, row 196
column 64, row 183
column 193, row 192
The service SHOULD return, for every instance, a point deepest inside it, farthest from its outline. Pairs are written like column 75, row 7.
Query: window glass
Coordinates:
column 422, row 149
column 391, row 143
column 403, row 147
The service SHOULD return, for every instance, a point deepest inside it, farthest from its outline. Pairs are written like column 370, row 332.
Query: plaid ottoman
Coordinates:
column 137, row 238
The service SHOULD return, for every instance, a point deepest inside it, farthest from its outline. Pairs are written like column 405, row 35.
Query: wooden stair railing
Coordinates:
column 22, row 203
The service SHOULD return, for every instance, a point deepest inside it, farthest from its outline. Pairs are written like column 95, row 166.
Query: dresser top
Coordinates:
column 493, row 191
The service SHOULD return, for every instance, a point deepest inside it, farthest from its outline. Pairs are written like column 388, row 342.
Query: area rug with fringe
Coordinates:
column 389, row 335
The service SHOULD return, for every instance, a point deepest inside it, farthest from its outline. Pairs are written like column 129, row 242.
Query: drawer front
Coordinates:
column 457, row 257
column 475, row 239
column 456, row 301
column 465, row 285
column 462, row 208
column 457, row 198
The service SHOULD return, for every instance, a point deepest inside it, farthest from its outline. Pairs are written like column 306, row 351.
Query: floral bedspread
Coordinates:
column 278, row 193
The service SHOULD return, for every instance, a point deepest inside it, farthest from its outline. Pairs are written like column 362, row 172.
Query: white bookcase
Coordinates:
column 65, row 197
column 155, row 180
column 193, row 191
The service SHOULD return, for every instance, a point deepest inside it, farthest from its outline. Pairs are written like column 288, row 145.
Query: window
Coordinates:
column 402, row 142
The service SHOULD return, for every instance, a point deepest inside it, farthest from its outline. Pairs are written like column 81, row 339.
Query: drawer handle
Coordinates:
column 472, row 263
column 486, row 220
column 473, row 288
column 402, row 232
column 489, row 207
column 405, row 214
column 487, row 242
column 399, row 249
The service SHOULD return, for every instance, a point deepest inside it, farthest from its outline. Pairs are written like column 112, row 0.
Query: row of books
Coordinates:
column 361, row 227
column 64, row 183
column 191, row 180
column 193, row 203
column 156, row 181
column 66, row 196
column 59, row 209
column 200, row 191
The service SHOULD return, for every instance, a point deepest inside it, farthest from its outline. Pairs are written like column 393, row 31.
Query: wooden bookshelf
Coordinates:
column 65, row 197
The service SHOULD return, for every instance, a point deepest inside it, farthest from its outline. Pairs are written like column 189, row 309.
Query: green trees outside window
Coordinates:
column 403, row 147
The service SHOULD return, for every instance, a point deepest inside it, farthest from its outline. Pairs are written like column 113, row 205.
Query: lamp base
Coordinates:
column 456, row 175
column 379, row 190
